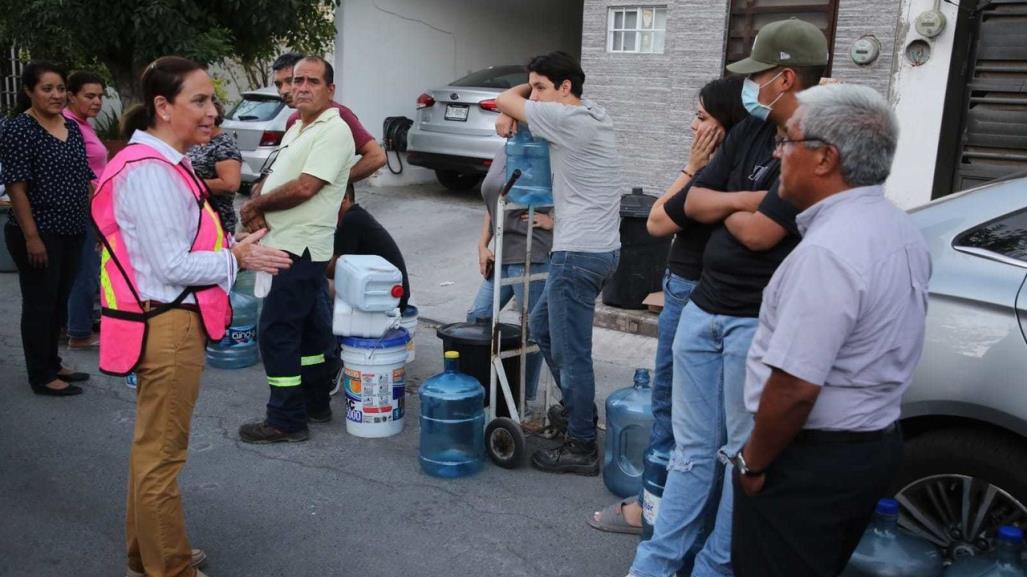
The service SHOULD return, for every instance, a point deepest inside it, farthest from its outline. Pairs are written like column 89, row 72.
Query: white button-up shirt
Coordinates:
column 158, row 216
column 846, row 311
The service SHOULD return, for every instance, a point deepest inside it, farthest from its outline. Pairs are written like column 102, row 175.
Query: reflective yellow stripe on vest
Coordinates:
column 105, row 279
column 284, row 381
column 312, row 360
column 220, row 242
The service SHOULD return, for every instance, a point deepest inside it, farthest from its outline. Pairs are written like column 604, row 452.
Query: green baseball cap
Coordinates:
column 791, row 42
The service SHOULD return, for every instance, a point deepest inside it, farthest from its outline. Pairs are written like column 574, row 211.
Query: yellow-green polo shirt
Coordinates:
column 323, row 149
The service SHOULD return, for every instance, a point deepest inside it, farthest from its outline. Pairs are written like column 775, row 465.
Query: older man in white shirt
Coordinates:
column 841, row 330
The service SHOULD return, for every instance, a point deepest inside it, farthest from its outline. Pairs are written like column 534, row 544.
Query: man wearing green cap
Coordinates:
column 737, row 191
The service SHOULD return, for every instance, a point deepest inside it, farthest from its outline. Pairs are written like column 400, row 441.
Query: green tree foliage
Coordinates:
column 123, row 36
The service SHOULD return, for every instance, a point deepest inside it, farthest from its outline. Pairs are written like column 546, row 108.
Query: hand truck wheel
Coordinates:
column 504, row 441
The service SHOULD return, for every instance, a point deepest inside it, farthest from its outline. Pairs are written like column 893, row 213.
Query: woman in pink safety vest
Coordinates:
column 166, row 269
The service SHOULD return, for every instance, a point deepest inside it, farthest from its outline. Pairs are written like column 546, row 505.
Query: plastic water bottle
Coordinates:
column 629, row 421
column 452, row 422
column 654, row 478
column 1005, row 561
column 531, row 156
column 238, row 348
column 887, row 551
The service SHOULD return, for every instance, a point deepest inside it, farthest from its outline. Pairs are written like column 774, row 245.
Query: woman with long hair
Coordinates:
column 47, row 177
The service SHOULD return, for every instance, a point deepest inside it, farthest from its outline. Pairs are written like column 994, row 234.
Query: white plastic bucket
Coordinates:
column 409, row 322
column 374, row 382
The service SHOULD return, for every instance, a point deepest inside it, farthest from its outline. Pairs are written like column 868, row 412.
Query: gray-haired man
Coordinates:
column 840, row 331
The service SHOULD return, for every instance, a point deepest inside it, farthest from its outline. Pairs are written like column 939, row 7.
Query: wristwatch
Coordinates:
column 739, row 463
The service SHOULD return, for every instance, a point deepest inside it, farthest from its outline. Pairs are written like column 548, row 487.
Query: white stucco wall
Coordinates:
column 918, row 97
column 390, row 51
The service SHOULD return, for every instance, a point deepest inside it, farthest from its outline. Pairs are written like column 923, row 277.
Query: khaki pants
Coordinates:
column 169, row 382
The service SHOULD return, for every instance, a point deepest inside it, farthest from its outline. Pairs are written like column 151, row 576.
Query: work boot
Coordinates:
column 559, row 414
column 199, row 558
column 573, row 456
column 261, row 433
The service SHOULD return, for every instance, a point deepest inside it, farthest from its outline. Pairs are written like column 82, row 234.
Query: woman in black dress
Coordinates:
column 44, row 165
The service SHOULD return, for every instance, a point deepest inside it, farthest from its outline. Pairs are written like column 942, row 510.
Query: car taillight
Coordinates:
column 425, row 101
column 271, row 138
column 489, row 104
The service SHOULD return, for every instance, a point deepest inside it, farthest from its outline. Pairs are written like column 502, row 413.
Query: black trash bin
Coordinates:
column 473, row 342
column 643, row 257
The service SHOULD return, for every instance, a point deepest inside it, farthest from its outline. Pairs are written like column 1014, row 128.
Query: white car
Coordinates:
column 257, row 123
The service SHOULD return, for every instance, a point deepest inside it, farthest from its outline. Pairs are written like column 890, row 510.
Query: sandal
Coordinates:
column 611, row 519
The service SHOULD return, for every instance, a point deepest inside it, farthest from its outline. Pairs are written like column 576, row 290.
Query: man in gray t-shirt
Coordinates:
column 586, row 243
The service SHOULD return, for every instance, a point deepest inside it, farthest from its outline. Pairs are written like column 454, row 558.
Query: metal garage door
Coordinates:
column 993, row 139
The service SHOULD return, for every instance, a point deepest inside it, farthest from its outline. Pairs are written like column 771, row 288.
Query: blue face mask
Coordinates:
column 751, row 97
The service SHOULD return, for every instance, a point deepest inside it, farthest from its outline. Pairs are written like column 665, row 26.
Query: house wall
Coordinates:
column 390, row 51
column 651, row 97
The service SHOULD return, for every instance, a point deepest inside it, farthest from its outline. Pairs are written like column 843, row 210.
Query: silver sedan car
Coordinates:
column 257, row 123
column 965, row 414
column 454, row 133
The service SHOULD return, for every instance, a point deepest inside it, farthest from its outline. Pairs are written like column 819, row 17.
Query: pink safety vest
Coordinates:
column 123, row 320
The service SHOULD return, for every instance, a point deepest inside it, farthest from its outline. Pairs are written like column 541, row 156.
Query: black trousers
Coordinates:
column 295, row 331
column 818, row 499
column 44, row 298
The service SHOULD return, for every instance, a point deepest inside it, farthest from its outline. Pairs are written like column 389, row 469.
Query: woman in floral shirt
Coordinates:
column 219, row 164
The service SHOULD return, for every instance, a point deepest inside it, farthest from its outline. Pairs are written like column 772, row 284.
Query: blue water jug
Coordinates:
column 629, row 421
column 1005, row 561
column 887, row 551
column 654, row 478
column 531, row 156
column 452, row 422
column 238, row 348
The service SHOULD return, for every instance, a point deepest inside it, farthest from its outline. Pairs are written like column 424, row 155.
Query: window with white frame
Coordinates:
column 639, row 29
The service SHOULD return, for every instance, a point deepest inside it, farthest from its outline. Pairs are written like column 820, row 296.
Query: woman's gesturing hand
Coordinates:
column 253, row 256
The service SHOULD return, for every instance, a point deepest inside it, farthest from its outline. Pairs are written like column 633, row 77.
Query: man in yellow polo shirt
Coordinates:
column 298, row 201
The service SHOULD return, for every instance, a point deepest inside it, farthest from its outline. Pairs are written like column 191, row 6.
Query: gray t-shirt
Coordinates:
column 846, row 311
column 515, row 232
column 586, row 173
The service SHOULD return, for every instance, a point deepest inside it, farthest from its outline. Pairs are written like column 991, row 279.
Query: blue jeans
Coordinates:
column 84, row 290
column 676, row 291
column 561, row 324
column 708, row 414
column 481, row 311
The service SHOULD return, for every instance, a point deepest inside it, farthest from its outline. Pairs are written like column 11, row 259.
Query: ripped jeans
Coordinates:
column 708, row 414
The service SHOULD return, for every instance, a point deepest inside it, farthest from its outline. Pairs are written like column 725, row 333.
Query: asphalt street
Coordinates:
column 335, row 505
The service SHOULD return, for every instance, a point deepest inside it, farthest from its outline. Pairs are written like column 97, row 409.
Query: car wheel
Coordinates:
column 957, row 486
column 457, row 181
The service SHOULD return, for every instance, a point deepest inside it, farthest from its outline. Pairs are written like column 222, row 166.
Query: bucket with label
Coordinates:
column 374, row 382
column 409, row 322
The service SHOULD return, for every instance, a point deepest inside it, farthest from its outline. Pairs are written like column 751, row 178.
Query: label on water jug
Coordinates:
column 650, row 507
column 237, row 336
column 374, row 397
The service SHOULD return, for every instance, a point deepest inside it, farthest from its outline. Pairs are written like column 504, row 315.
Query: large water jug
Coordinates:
column 238, row 348
column 654, row 478
column 1005, row 561
column 531, row 156
column 452, row 422
column 629, row 421
column 887, row 551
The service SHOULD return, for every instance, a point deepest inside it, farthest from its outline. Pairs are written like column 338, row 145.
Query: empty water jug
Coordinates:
column 452, row 422
column 654, row 478
column 887, row 551
column 531, row 156
column 1005, row 561
column 238, row 348
column 629, row 421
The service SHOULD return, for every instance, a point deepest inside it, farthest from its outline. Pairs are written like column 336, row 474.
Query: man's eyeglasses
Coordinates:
column 780, row 141
column 265, row 169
